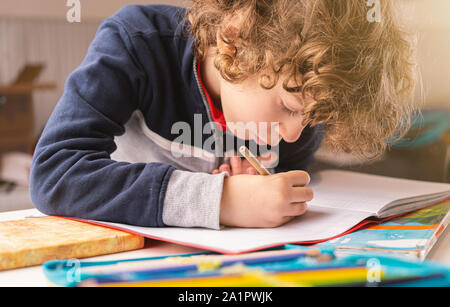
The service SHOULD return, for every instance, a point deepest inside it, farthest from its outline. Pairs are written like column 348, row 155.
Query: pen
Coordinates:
column 253, row 161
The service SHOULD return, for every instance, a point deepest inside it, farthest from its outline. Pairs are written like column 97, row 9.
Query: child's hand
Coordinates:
column 264, row 201
column 237, row 166
column 240, row 166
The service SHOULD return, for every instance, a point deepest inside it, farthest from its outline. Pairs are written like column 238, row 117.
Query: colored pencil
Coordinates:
column 255, row 278
column 200, row 262
column 253, row 161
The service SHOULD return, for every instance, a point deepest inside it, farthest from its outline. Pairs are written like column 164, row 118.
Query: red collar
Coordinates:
column 216, row 114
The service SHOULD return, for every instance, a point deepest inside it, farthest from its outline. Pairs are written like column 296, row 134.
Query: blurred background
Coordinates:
column 39, row 48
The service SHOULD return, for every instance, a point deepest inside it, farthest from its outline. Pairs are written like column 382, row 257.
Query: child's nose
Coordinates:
column 292, row 133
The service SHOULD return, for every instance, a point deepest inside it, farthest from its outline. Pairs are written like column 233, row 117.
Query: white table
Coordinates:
column 34, row 276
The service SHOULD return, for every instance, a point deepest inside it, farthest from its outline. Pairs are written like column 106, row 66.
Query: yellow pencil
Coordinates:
column 253, row 161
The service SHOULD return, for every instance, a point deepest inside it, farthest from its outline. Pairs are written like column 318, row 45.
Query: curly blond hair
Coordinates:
column 361, row 74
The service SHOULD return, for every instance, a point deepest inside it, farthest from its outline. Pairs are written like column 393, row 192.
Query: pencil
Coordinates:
column 182, row 264
column 253, row 161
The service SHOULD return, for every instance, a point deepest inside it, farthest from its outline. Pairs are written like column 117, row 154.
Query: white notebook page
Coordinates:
column 367, row 193
column 317, row 224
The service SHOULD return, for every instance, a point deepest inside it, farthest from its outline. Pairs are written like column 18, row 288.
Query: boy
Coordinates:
column 110, row 150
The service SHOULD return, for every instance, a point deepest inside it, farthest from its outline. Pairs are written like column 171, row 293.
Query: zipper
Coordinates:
column 218, row 160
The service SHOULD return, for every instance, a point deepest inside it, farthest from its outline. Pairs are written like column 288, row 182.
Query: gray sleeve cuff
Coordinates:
column 193, row 199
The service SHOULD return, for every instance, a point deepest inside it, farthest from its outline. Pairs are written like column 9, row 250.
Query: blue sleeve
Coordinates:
column 72, row 173
column 298, row 155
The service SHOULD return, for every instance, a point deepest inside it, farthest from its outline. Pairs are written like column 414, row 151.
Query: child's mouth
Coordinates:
column 259, row 141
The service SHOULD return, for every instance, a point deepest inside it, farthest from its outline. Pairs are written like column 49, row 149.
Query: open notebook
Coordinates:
column 342, row 201
column 411, row 234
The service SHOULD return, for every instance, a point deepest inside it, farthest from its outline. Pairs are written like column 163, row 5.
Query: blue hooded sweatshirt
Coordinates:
column 110, row 150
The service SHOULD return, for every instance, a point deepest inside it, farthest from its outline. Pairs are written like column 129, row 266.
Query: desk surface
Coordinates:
column 34, row 276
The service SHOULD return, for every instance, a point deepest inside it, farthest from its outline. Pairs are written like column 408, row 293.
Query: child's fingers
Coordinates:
column 301, row 194
column 236, row 165
column 296, row 209
column 252, row 171
column 246, row 165
column 225, row 168
column 297, row 178
column 216, row 171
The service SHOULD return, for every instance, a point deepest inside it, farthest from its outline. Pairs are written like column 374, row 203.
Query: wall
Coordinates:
column 56, row 9
column 430, row 19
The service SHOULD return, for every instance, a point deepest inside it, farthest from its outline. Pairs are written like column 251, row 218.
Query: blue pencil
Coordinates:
column 256, row 258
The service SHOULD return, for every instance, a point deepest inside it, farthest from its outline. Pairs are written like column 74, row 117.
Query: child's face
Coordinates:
column 250, row 105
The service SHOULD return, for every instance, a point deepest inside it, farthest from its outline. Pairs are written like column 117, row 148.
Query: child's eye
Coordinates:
column 288, row 111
